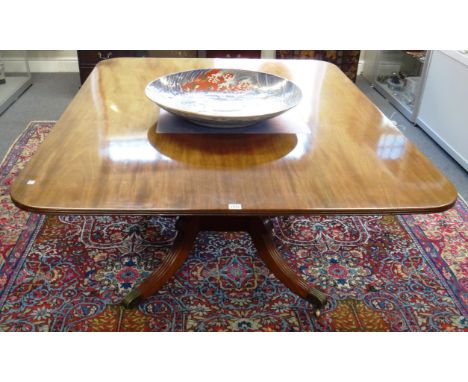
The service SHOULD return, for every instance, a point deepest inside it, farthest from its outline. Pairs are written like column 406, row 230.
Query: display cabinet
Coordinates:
column 398, row 76
column 15, row 76
column 443, row 112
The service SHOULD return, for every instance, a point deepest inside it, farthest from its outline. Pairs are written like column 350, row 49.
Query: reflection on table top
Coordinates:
column 333, row 153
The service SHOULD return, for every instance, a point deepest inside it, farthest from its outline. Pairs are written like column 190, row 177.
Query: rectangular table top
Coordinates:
column 113, row 151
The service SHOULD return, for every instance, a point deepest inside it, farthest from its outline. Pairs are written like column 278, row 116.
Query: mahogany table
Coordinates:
column 114, row 152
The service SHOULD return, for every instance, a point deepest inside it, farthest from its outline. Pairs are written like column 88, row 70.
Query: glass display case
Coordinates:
column 15, row 76
column 398, row 76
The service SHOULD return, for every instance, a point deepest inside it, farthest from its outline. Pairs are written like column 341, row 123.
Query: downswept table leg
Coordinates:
column 188, row 228
column 266, row 249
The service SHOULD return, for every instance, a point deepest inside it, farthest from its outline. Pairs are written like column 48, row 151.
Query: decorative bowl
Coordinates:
column 224, row 98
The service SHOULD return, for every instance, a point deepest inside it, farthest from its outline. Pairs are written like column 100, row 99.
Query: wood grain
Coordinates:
column 108, row 155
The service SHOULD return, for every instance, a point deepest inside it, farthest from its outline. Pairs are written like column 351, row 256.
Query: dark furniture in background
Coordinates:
column 346, row 60
column 88, row 59
column 233, row 54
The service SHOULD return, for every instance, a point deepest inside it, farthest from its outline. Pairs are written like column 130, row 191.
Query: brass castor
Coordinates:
column 269, row 224
column 132, row 299
column 318, row 299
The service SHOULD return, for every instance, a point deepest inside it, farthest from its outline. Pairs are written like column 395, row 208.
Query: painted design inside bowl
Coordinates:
column 217, row 80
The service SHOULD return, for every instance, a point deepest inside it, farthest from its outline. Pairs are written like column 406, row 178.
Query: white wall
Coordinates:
column 40, row 60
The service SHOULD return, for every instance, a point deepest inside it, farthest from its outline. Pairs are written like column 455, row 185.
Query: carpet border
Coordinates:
column 17, row 266
column 454, row 296
column 21, row 260
column 19, row 137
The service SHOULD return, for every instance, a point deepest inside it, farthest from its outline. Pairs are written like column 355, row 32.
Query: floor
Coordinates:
column 45, row 100
column 50, row 94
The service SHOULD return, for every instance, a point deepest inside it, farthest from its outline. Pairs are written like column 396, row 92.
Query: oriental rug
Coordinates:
column 382, row 273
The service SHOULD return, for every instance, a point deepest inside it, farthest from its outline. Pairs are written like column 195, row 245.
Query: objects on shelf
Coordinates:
column 402, row 86
column 418, row 54
column 395, row 81
column 398, row 75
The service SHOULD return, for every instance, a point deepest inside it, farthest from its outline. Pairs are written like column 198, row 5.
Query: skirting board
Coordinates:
column 46, row 66
column 442, row 143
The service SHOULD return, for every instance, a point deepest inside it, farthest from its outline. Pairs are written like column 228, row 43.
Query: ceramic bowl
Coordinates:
column 224, row 98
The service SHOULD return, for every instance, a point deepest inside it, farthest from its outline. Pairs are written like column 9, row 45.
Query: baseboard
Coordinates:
column 44, row 66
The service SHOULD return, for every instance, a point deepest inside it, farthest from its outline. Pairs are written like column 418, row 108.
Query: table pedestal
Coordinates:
column 188, row 228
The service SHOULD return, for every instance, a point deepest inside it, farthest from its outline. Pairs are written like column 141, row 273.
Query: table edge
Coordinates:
column 244, row 212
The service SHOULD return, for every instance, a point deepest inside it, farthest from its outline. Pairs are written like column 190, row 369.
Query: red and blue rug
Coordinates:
column 383, row 273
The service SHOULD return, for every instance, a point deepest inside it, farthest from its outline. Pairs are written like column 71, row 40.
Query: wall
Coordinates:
column 40, row 60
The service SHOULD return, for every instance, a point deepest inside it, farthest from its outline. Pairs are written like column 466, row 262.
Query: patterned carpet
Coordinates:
column 383, row 273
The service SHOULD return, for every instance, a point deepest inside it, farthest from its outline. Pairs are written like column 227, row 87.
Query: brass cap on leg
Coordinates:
column 132, row 299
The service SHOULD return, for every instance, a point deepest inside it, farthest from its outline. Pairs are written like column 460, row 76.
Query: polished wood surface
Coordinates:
column 107, row 153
